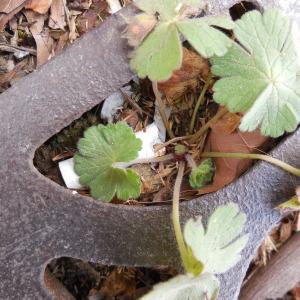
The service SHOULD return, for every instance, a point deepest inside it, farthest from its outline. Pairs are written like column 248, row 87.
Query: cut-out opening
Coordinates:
column 239, row 9
column 72, row 278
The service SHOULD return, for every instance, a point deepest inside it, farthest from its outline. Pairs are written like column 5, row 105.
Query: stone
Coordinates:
column 40, row 220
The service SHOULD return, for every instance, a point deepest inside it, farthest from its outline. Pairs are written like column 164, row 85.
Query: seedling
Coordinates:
column 259, row 76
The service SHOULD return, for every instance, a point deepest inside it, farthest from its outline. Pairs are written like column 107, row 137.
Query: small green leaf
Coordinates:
column 218, row 247
column 100, row 149
column 291, row 205
column 159, row 55
column 180, row 149
column 202, row 175
column 262, row 76
column 186, row 287
column 207, row 40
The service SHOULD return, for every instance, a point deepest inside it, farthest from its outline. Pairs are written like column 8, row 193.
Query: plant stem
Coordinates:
column 204, row 128
column 176, row 218
column 270, row 159
column 192, row 164
column 154, row 159
column 161, row 108
column 200, row 102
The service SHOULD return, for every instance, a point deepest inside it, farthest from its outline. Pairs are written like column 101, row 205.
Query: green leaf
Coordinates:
column 186, row 287
column 99, row 151
column 262, row 76
column 202, row 175
column 159, row 55
column 291, row 205
column 218, row 247
column 207, row 40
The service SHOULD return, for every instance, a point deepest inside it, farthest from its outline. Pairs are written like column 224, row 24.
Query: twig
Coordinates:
column 161, row 108
column 200, row 102
column 203, row 129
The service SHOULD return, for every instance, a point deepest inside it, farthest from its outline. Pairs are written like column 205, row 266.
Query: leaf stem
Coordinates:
column 200, row 102
column 191, row 162
column 176, row 217
column 270, row 159
column 161, row 108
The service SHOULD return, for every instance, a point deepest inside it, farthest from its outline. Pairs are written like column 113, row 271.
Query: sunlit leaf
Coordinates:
column 262, row 75
column 99, row 151
column 218, row 247
column 207, row 40
column 186, row 287
column 291, row 205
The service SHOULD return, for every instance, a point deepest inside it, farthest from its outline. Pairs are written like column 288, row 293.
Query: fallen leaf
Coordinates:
column 87, row 21
column 286, row 230
column 186, row 78
column 44, row 42
column 6, row 17
column 57, row 19
column 223, row 139
column 296, row 292
column 7, row 6
column 40, row 6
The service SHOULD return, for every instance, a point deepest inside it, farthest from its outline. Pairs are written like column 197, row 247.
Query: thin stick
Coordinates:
column 161, row 108
column 176, row 217
column 204, row 128
column 200, row 102
column 270, row 159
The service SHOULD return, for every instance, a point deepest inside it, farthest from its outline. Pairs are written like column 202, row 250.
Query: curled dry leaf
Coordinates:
column 44, row 42
column 7, row 7
column 57, row 18
column 40, row 6
column 224, row 137
column 186, row 78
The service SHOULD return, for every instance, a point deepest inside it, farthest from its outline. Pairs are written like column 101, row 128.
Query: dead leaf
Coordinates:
column 296, row 292
column 286, row 230
column 44, row 42
column 87, row 21
column 193, row 67
column 5, row 18
column 7, row 6
column 223, row 139
column 40, row 6
column 57, row 19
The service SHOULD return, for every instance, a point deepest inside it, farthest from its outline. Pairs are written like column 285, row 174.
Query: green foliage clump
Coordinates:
column 99, row 163
column 202, row 175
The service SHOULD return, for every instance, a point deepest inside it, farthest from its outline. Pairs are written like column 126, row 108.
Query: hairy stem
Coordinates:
column 176, row 218
column 200, row 102
column 270, row 159
column 203, row 129
column 161, row 108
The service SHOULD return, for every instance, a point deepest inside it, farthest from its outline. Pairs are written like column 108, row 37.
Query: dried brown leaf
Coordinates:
column 186, row 78
column 5, row 18
column 41, row 36
column 7, row 6
column 223, row 139
column 40, row 6
column 57, row 18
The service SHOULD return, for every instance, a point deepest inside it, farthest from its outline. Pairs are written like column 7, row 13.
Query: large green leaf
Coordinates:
column 186, row 287
column 261, row 74
column 159, row 55
column 218, row 247
column 207, row 40
column 160, row 52
column 99, row 151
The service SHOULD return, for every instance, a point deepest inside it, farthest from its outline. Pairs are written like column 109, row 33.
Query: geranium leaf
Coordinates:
column 262, row 76
column 218, row 247
column 159, row 55
column 101, row 148
column 186, row 287
column 207, row 40
column 202, row 175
